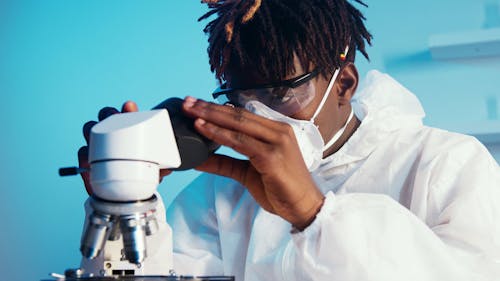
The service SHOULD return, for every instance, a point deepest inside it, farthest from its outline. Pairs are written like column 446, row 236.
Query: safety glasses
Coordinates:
column 287, row 97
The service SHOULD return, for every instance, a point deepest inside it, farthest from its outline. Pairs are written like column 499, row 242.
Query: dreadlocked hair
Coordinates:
column 265, row 35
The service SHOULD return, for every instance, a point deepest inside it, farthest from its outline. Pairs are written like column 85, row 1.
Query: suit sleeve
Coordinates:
column 195, row 231
column 452, row 234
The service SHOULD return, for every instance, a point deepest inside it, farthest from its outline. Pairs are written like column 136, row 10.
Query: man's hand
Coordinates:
column 275, row 173
column 83, row 152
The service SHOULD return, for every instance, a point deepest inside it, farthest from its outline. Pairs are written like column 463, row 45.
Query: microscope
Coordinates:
column 126, row 236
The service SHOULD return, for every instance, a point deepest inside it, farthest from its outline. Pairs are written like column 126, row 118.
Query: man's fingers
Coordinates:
column 226, row 166
column 238, row 141
column 83, row 162
column 241, row 171
column 197, row 106
column 129, row 106
column 164, row 173
column 237, row 119
column 106, row 112
column 83, row 157
column 86, row 130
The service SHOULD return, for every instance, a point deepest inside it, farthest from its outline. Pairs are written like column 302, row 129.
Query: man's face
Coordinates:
column 333, row 113
column 292, row 96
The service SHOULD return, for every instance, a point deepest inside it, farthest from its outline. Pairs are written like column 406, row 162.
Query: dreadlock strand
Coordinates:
column 273, row 44
column 361, row 3
column 289, row 41
column 229, row 27
column 326, row 43
column 210, row 1
column 251, row 12
column 264, row 37
column 361, row 34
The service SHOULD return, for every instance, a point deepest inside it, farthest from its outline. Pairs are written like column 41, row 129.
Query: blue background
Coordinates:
column 61, row 61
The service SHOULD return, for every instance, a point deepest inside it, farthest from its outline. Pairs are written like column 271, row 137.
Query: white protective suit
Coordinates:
column 403, row 202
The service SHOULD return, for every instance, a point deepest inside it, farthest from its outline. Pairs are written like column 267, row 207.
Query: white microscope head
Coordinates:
column 126, row 153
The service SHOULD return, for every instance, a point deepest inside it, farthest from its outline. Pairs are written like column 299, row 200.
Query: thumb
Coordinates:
column 83, row 155
column 242, row 172
column 129, row 106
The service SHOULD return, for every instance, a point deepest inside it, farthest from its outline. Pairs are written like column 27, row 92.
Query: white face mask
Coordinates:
column 306, row 132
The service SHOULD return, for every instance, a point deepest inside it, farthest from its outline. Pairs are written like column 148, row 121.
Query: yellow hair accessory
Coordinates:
column 251, row 12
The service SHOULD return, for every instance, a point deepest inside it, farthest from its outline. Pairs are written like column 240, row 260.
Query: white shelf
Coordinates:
column 466, row 44
column 488, row 132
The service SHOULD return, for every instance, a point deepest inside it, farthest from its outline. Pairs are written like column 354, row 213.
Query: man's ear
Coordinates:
column 347, row 83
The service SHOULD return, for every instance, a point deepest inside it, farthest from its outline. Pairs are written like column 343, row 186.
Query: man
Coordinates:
column 387, row 199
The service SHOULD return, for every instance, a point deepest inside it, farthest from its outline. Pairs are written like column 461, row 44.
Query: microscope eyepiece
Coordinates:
column 193, row 148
